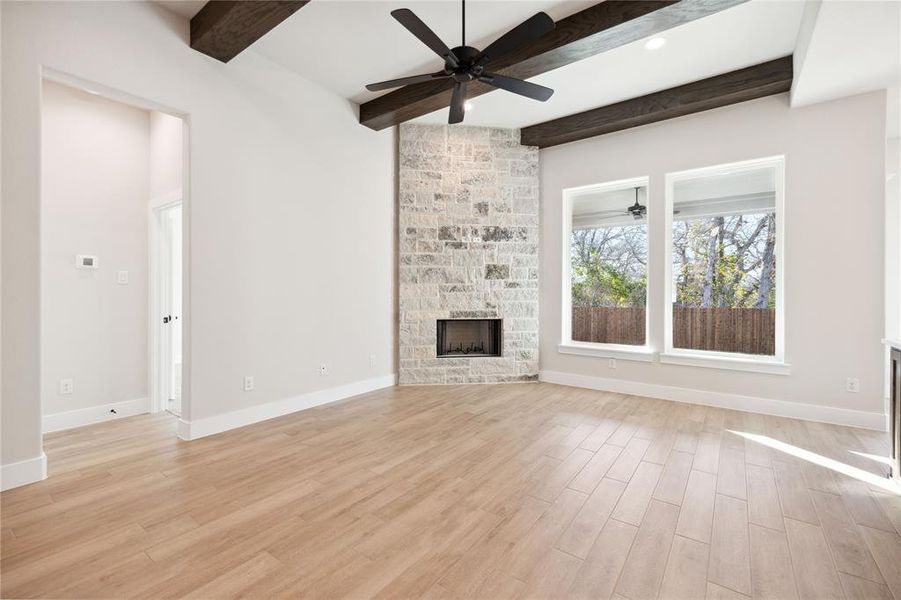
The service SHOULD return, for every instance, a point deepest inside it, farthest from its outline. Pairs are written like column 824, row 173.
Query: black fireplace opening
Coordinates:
column 469, row 338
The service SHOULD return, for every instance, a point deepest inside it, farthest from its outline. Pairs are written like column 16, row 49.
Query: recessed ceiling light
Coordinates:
column 655, row 43
column 467, row 105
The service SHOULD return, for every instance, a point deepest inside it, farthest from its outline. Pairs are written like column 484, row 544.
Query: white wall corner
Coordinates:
column 199, row 428
column 802, row 46
column 95, row 414
column 23, row 472
column 767, row 406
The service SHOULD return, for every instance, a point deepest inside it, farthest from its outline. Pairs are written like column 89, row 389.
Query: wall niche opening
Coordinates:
column 469, row 338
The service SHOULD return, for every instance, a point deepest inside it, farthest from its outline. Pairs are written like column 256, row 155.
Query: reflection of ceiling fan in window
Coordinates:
column 637, row 211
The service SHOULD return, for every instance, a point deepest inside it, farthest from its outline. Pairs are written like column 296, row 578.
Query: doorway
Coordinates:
column 114, row 214
column 167, row 317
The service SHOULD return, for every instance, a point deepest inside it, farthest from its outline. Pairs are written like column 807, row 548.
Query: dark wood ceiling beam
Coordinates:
column 604, row 26
column 766, row 79
column 225, row 28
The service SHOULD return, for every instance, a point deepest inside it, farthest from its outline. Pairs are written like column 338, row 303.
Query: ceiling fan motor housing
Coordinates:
column 466, row 68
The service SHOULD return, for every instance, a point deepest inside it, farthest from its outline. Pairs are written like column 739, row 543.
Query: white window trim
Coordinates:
column 567, row 345
column 620, row 351
column 725, row 360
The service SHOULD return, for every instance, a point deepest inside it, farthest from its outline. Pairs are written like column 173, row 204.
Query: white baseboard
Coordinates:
column 198, row 428
column 23, row 472
column 95, row 414
column 778, row 408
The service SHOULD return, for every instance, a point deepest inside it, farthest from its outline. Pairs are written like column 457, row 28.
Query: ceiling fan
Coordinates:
column 465, row 63
column 637, row 211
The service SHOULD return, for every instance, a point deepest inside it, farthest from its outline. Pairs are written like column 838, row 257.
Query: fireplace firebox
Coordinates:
column 469, row 338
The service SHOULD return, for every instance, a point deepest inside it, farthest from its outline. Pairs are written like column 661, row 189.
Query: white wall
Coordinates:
column 833, row 251
column 893, row 238
column 166, row 157
column 95, row 189
column 290, row 216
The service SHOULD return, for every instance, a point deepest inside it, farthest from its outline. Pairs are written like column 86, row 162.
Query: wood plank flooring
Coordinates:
column 519, row 491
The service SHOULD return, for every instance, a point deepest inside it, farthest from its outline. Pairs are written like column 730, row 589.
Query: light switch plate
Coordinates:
column 122, row 277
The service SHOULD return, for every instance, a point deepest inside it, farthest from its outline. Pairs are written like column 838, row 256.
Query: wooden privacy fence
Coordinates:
column 609, row 325
column 744, row 330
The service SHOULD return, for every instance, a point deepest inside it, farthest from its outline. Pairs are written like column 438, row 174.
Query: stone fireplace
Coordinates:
column 468, row 254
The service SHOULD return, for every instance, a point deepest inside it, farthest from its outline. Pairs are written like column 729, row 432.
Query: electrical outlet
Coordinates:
column 323, row 370
column 248, row 383
column 372, row 361
column 852, row 385
column 66, row 386
column 611, row 363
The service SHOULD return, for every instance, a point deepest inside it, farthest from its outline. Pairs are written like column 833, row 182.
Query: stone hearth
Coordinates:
column 468, row 248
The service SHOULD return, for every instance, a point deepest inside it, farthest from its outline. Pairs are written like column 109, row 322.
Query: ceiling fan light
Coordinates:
column 467, row 106
column 655, row 43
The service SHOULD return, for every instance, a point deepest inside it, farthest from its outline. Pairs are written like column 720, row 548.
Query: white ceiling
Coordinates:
column 841, row 48
column 847, row 48
column 185, row 8
column 345, row 45
column 741, row 36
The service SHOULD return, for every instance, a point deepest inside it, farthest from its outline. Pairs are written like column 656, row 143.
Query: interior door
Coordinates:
column 895, row 413
column 170, row 304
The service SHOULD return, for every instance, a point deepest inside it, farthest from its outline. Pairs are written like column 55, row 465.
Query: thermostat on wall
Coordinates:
column 85, row 261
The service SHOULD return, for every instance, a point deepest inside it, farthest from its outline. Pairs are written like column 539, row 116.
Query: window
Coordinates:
column 606, row 277
column 724, row 261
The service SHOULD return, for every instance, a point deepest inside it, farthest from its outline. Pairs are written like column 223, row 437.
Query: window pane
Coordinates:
column 724, row 262
column 609, row 253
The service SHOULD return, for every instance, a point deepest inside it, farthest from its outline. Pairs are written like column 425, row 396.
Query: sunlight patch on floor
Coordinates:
column 823, row 461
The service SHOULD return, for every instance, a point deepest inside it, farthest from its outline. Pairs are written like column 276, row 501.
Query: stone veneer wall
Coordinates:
column 468, row 248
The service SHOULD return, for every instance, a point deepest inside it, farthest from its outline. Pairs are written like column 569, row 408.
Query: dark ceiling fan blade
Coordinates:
column 458, row 99
column 395, row 83
column 518, row 86
column 425, row 35
column 528, row 31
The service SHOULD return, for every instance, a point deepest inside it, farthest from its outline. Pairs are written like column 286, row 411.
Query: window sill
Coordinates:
column 751, row 365
column 622, row 352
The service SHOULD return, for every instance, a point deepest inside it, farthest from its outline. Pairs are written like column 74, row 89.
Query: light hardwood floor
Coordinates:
column 529, row 491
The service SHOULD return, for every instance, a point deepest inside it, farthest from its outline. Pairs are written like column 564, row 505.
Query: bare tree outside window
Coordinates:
column 724, row 263
column 609, row 266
